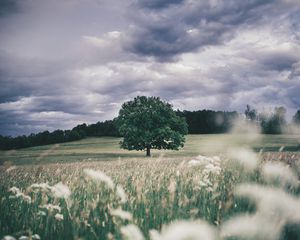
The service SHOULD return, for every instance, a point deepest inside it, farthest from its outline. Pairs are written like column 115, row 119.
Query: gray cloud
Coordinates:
column 190, row 25
column 83, row 63
column 157, row 4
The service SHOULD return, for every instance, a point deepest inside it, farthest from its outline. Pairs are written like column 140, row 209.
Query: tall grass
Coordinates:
column 206, row 197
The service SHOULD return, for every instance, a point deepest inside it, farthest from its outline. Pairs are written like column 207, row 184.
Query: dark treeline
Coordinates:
column 271, row 122
column 208, row 121
column 199, row 122
column 205, row 121
column 99, row 129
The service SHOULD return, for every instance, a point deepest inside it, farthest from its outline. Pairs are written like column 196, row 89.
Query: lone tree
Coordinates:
column 148, row 122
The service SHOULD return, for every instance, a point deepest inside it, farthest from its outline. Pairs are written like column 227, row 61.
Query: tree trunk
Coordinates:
column 148, row 152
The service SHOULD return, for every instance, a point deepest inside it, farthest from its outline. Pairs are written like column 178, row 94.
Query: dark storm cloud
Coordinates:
column 157, row 4
column 83, row 63
column 32, row 114
column 8, row 7
column 15, row 123
column 278, row 62
column 40, row 57
column 21, row 77
column 167, row 32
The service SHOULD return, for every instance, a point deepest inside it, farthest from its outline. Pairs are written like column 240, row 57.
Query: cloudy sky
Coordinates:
column 65, row 62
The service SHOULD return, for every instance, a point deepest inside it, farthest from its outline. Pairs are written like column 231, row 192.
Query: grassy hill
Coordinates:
column 107, row 148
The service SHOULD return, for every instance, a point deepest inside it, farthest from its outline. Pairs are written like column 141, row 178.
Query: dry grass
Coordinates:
column 137, row 198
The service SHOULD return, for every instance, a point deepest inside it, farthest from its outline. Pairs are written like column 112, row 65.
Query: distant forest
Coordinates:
column 199, row 122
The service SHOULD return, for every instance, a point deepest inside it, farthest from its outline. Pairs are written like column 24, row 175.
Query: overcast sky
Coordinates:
column 66, row 62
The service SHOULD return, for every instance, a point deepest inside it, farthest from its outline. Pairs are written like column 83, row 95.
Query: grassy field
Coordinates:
column 216, row 187
column 107, row 148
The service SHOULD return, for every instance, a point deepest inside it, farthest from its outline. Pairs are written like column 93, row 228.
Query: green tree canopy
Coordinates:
column 296, row 118
column 150, row 123
column 273, row 123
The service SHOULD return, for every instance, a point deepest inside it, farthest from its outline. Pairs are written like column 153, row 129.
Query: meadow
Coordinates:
column 230, row 186
column 107, row 148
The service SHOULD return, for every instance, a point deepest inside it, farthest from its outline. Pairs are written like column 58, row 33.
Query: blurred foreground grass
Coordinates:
column 91, row 189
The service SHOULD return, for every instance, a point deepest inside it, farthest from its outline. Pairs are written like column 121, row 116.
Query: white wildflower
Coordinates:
column 23, row 238
column 211, row 168
column 41, row 213
column 18, row 194
column 42, row 186
column 61, row 191
column 210, row 164
column 7, row 237
column 131, row 232
column 14, row 190
column 279, row 172
column 36, row 237
column 202, row 184
column 10, row 169
column 273, row 203
column 200, row 161
column 245, row 157
column 99, row 176
column 194, row 162
column 203, row 159
column 59, row 217
column 26, row 198
column 50, row 207
column 121, row 194
column 192, row 230
column 205, row 182
column 216, row 159
column 154, row 235
column 250, row 227
column 121, row 214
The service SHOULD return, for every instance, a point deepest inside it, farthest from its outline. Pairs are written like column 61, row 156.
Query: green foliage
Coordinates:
column 199, row 122
column 149, row 123
column 208, row 121
column 99, row 129
column 296, row 118
column 273, row 123
column 250, row 114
